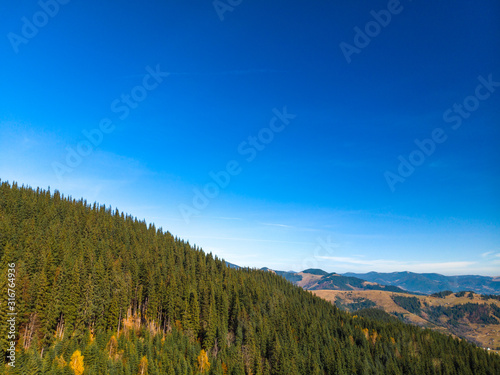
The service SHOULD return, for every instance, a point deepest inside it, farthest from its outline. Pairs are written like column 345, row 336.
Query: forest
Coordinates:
column 98, row 291
column 411, row 304
column 474, row 312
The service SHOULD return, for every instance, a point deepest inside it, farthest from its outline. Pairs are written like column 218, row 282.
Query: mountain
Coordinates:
column 315, row 271
column 97, row 291
column 465, row 314
column 231, row 265
column 316, row 279
column 429, row 283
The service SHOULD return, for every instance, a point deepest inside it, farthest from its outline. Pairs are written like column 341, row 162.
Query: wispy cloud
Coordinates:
column 252, row 240
column 491, row 254
column 277, row 225
column 287, row 226
column 395, row 265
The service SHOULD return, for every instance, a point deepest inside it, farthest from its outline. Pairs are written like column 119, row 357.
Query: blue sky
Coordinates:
column 311, row 116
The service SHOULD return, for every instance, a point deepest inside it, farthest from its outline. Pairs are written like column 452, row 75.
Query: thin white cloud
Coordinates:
column 286, row 226
column 277, row 225
column 251, row 240
column 394, row 265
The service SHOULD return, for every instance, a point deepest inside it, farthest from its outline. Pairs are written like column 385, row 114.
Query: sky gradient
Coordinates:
column 360, row 136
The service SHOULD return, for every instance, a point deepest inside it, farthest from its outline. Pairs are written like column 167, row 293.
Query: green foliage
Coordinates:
column 360, row 303
column 490, row 296
column 473, row 312
column 129, row 298
column 411, row 304
column 376, row 314
column 442, row 294
column 339, row 282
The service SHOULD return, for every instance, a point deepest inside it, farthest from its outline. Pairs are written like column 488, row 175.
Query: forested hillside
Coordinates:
column 99, row 292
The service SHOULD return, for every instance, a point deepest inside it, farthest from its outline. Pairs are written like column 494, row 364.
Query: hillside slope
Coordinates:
column 466, row 315
column 98, row 291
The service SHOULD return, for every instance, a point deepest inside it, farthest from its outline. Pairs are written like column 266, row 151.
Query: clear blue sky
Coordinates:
column 319, row 187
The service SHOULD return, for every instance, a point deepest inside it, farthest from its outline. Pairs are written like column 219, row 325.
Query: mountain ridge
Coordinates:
column 317, row 279
column 400, row 282
column 429, row 283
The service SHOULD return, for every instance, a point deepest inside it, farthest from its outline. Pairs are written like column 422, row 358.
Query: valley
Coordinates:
column 464, row 315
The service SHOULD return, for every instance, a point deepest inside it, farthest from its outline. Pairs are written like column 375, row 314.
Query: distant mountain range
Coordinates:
column 316, row 279
column 400, row 282
column 429, row 283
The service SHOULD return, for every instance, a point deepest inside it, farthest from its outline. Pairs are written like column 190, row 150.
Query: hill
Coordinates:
column 99, row 292
column 429, row 283
column 466, row 315
column 316, row 271
column 316, row 279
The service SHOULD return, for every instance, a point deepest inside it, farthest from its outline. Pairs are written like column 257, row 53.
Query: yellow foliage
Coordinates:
column 224, row 368
column 61, row 363
column 374, row 336
column 367, row 335
column 112, row 347
column 436, row 362
column 143, row 366
column 178, row 325
column 203, row 364
column 76, row 363
column 393, row 341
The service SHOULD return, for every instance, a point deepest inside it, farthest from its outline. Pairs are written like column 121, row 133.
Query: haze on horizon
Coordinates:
column 350, row 137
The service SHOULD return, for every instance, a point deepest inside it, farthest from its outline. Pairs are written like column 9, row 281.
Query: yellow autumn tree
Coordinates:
column 203, row 364
column 143, row 366
column 112, row 347
column 60, row 362
column 76, row 363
